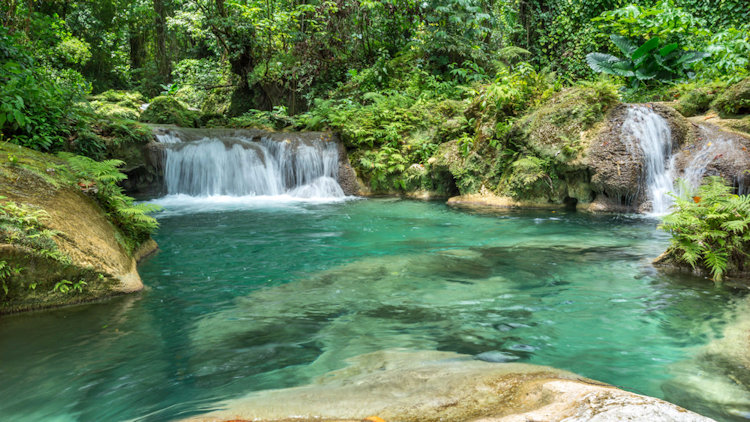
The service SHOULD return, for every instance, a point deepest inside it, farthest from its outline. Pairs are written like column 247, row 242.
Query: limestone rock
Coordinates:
column 442, row 386
column 83, row 234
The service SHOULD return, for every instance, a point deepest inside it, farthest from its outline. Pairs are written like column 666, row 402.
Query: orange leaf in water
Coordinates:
column 373, row 419
column 696, row 199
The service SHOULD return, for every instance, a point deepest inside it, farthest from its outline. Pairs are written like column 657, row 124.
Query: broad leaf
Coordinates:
column 624, row 44
column 645, row 48
column 668, row 49
column 602, row 63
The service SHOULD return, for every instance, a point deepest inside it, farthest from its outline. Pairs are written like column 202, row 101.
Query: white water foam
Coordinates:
column 654, row 138
column 240, row 171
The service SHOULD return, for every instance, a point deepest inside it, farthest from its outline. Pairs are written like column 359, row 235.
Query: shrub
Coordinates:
column 734, row 100
column 168, row 110
column 39, row 105
column 696, row 101
column 711, row 230
column 651, row 60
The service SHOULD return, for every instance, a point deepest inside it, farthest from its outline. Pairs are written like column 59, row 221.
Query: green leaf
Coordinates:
column 624, row 44
column 645, row 48
column 19, row 118
column 668, row 49
column 644, row 74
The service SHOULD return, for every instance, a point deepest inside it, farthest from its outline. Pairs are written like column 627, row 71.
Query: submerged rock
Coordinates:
column 438, row 386
column 717, row 379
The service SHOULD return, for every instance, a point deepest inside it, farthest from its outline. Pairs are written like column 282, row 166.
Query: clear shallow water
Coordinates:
column 246, row 298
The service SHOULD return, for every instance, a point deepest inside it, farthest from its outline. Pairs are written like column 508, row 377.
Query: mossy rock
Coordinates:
column 167, row 110
column 81, row 242
column 696, row 102
column 118, row 104
column 217, row 101
column 554, row 129
column 734, row 101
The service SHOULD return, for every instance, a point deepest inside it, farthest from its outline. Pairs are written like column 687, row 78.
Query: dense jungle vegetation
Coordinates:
column 398, row 80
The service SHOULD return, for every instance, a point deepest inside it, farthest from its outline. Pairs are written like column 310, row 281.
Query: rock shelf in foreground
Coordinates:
column 431, row 386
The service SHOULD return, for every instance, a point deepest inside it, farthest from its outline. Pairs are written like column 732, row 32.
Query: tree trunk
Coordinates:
column 137, row 44
column 162, row 57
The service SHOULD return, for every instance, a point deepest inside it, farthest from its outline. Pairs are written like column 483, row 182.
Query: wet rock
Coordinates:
column 715, row 152
column 616, row 162
column 717, row 379
column 146, row 166
column 82, row 233
column 439, row 386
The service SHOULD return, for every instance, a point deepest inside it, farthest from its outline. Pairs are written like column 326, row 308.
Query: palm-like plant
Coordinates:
column 649, row 61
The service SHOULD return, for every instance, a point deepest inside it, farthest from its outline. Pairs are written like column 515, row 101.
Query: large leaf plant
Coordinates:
column 646, row 62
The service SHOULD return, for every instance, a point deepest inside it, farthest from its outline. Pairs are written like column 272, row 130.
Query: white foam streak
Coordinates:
column 655, row 140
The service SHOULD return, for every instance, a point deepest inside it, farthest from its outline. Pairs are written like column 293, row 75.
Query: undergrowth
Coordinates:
column 711, row 230
column 100, row 179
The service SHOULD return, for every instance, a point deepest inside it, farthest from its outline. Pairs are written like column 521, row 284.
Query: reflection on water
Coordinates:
column 273, row 296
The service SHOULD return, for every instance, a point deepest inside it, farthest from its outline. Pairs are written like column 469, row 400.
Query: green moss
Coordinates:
column 554, row 129
column 695, row 102
column 735, row 100
column 741, row 125
column 167, row 110
column 118, row 104
column 217, row 101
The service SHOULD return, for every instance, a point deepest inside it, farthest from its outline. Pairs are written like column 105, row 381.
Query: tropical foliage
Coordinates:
column 652, row 60
column 711, row 230
column 100, row 178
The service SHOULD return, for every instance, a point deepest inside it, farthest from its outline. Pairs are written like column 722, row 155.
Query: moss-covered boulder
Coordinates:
column 57, row 245
column 117, row 104
column 167, row 110
column 696, row 102
column 735, row 100
column 573, row 149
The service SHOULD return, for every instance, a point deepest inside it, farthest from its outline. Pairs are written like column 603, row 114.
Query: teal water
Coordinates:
column 249, row 297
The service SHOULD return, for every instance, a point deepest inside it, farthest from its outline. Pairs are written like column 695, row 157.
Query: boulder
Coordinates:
column 396, row 385
column 715, row 152
column 167, row 110
column 735, row 100
column 80, row 243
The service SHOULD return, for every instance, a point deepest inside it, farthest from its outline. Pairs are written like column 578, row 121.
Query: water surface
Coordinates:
column 256, row 295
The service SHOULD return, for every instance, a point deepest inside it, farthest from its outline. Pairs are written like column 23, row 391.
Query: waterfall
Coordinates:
column 701, row 161
column 650, row 132
column 241, row 166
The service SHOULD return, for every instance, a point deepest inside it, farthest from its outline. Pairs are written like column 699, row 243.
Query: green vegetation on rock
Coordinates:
column 168, row 110
column 734, row 100
column 711, row 230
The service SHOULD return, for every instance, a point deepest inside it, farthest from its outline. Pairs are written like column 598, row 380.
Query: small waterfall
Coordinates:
column 701, row 162
column 652, row 135
column 239, row 166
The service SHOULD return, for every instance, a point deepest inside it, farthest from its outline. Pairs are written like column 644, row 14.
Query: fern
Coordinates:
column 710, row 228
column 132, row 219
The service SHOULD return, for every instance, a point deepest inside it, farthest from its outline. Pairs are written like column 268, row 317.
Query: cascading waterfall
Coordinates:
column 652, row 135
column 239, row 166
